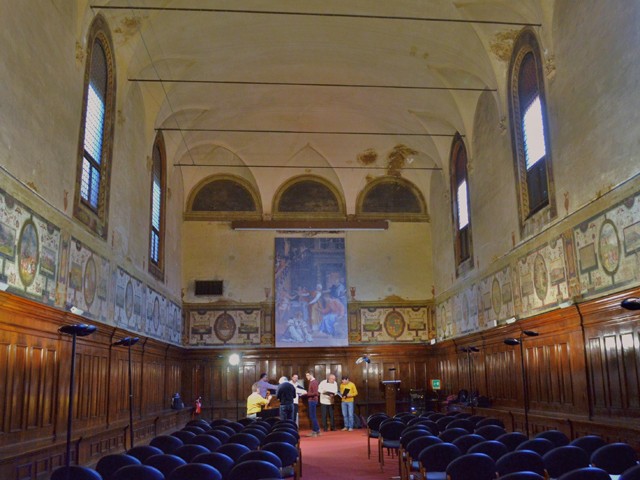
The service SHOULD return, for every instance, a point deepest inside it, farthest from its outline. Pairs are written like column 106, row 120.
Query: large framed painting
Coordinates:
column 311, row 293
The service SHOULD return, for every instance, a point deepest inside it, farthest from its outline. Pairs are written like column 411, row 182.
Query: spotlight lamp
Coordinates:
column 631, row 303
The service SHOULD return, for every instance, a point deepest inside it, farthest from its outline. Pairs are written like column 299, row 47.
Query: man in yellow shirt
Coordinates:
column 255, row 402
column 348, row 391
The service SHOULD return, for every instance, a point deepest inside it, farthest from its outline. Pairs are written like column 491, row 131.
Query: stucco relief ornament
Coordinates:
column 502, row 125
column 550, row 67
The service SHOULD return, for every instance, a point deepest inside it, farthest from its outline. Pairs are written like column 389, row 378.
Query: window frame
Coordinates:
column 157, row 268
column 463, row 238
column 96, row 219
column 532, row 217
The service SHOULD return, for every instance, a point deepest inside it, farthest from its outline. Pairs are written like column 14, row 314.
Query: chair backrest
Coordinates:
column 589, row 443
column 520, row 461
column 280, row 436
column 236, row 426
column 108, row 464
column 287, row 429
column 472, row 466
column 538, row 445
column 563, row 459
column 220, row 461
column 489, row 421
column 437, row 457
column 431, row 425
column 220, row 435
column 219, row 421
column 462, row 423
column 406, row 437
column 234, row 450
column 254, row 470
column 75, row 472
column 208, row 441
column 512, row 439
column 522, row 476
column 632, row 473
column 137, row 472
column 462, row 415
column 259, row 433
column 266, row 425
column 493, row 448
column 434, row 417
column 465, row 442
column 414, row 420
column 443, row 422
column 558, row 438
column 271, row 420
column 224, row 428
column 194, row 429
column 374, row 421
column 392, row 430
column 287, row 453
column 615, row 458
column 143, row 452
column 450, row 434
column 195, row 471
column 490, row 432
column 166, row 443
column 290, row 423
column 199, row 423
column 187, row 452
column 415, row 446
column 183, row 435
column 588, row 473
column 265, row 455
column 164, row 462
column 246, row 421
column 245, row 439
column 476, row 418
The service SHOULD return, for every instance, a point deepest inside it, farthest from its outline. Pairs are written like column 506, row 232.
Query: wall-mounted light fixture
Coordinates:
column 631, row 303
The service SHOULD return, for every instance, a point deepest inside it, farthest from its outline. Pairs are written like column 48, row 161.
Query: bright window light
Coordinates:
column 534, row 146
column 463, row 203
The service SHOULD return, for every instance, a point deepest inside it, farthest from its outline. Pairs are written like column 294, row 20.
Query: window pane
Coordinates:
column 463, row 205
column 534, row 147
column 89, row 183
column 155, row 240
column 94, row 124
column 155, row 207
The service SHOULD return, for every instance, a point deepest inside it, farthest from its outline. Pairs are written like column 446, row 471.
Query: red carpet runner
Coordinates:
column 343, row 455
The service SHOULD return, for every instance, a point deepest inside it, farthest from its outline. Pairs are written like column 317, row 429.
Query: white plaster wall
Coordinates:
column 379, row 263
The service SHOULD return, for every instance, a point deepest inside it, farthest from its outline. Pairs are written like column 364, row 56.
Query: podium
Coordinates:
column 390, row 388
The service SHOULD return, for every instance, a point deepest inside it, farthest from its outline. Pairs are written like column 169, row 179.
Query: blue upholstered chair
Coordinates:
column 137, row 472
column 187, row 452
column 520, row 461
column 142, row 452
column 220, row 461
column 435, row 459
column 289, row 456
column 632, row 473
column 75, row 472
column 588, row 473
column 558, row 438
column 164, row 462
column 246, row 439
column 450, row 434
column 265, row 455
column 512, row 439
column 183, row 435
column 489, row 421
column 589, row 443
column 615, row 458
column 472, row 466
column 108, row 464
column 538, row 445
column 234, row 450
column 195, row 471
column 389, row 438
column 561, row 460
column 210, row 442
column 522, row 476
column 166, row 443
column 490, row 432
column 493, row 448
column 465, row 442
column 254, row 470
column 468, row 425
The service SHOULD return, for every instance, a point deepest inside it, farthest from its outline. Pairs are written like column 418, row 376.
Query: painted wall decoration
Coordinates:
column 29, row 251
column 223, row 195
column 608, row 247
column 130, row 303
column 308, row 196
column 224, row 326
column 394, row 324
column 87, row 284
column 311, row 294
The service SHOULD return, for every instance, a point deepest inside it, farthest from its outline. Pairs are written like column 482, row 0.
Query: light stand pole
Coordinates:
column 78, row 330
column 365, row 358
column 525, row 383
column 468, row 351
column 128, row 341
column 234, row 361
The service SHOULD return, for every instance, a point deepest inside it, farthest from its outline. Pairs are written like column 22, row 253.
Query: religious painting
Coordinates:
column 631, row 238
column 28, row 253
column 7, row 241
column 48, row 259
column 311, row 293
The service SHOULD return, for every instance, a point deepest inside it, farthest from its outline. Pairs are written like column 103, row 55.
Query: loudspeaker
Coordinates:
column 208, row 287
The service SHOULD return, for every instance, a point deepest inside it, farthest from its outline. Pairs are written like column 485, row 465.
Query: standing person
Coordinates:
column 328, row 389
column 349, row 387
column 299, row 392
column 255, row 402
column 312, row 395
column 264, row 385
column 286, row 393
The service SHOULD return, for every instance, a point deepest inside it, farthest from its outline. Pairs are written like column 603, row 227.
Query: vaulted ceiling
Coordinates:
column 340, row 87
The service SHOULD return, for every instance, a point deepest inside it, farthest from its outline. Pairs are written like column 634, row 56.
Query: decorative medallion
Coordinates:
column 224, row 327
column 540, row 277
column 28, row 253
column 90, row 281
column 496, row 296
column 609, row 247
column 128, row 300
column 394, row 324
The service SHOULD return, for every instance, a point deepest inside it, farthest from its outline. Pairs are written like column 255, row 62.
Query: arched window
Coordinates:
column 96, row 131
column 460, row 204
column 306, row 197
column 392, row 198
column 530, row 130
column 158, row 196
column 223, row 198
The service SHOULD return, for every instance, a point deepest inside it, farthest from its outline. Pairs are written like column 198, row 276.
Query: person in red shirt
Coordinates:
column 312, row 396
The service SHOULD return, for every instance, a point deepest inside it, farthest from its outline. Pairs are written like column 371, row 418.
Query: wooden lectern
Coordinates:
column 390, row 388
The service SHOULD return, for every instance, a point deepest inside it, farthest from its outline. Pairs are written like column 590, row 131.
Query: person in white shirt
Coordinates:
column 300, row 391
column 328, row 389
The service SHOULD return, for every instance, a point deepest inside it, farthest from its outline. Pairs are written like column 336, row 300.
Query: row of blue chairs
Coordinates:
column 219, row 450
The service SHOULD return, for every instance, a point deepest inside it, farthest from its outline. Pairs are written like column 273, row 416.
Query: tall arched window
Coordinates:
column 158, row 196
column 96, row 131
column 460, row 204
column 530, row 131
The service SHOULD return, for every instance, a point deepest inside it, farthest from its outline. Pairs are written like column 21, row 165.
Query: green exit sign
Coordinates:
column 435, row 384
